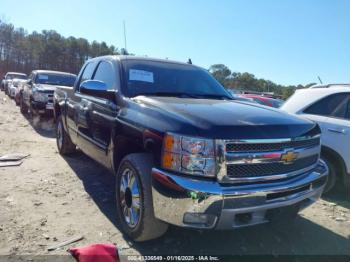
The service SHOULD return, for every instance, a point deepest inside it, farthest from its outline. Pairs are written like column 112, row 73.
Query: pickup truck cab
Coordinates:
column 183, row 151
column 37, row 93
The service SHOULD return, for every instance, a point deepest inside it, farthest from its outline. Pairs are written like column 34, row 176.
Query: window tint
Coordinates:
column 333, row 105
column 106, row 74
column 15, row 76
column 55, row 79
column 88, row 71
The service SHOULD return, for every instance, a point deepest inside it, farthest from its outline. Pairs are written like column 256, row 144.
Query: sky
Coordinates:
column 286, row 41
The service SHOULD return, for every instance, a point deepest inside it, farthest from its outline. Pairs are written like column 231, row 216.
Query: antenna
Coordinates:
column 319, row 79
column 125, row 47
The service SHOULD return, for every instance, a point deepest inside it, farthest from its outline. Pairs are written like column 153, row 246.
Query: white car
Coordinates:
column 330, row 108
column 330, row 86
column 14, row 86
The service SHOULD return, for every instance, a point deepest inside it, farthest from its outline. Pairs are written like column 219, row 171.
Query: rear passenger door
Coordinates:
column 338, row 129
column 333, row 115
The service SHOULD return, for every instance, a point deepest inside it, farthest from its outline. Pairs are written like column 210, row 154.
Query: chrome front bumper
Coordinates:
column 190, row 202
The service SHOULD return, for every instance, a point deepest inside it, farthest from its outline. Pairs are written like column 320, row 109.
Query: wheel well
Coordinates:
column 124, row 146
column 338, row 161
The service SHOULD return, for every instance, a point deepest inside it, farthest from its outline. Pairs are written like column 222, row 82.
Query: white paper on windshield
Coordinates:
column 43, row 77
column 140, row 75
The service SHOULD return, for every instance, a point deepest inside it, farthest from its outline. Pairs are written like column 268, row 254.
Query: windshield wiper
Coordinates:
column 171, row 94
column 214, row 96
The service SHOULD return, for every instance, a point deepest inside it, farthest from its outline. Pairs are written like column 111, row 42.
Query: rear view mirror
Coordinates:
column 97, row 89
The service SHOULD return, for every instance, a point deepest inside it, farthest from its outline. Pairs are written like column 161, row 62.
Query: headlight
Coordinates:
column 39, row 97
column 194, row 156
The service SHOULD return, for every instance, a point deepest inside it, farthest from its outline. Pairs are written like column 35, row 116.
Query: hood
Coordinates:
column 45, row 88
column 224, row 119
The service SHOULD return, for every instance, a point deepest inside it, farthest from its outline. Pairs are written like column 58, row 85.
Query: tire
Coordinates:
column 332, row 175
column 147, row 226
column 65, row 145
column 23, row 106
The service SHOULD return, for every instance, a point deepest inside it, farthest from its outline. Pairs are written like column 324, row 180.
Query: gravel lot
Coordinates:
column 49, row 199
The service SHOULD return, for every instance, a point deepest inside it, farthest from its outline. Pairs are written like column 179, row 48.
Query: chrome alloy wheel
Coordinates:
column 59, row 135
column 129, row 191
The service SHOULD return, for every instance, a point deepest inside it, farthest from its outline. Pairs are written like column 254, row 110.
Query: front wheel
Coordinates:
column 134, row 199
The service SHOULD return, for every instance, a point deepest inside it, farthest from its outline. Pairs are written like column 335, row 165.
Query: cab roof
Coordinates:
column 141, row 58
column 52, row 72
column 302, row 98
column 16, row 73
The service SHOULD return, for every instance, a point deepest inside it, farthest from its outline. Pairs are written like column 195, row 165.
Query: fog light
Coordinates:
column 199, row 219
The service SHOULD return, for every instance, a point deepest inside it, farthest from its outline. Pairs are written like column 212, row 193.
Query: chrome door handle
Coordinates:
column 338, row 131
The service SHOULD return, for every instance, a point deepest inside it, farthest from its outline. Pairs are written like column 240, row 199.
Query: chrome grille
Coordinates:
column 50, row 98
column 269, row 169
column 251, row 161
column 261, row 147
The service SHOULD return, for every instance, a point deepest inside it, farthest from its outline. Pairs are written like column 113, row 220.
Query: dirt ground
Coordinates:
column 49, row 199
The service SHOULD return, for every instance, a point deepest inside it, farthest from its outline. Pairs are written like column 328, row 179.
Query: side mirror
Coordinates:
column 97, row 89
column 29, row 82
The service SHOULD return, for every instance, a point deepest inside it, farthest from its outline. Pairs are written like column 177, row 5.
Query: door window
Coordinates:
column 87, row 73
column 333, row 105
column 106, row 74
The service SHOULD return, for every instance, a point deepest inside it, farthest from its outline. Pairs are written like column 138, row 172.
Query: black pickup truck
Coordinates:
column 184, row 152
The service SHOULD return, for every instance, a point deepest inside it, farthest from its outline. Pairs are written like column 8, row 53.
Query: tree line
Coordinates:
column 248, row 82
column 21, row 51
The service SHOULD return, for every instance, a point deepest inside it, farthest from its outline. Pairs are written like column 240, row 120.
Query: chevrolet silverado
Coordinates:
column 183, row 151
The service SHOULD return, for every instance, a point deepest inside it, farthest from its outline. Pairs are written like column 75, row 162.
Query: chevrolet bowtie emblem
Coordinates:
column 289, row 157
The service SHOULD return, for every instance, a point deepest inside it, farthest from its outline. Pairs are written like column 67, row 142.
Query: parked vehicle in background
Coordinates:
column 244, row 99
column 19, row 91
column 330, row 86
column 263, row 100
column 37, row 94
column 8, row 79
column 183, row 151
column 330, row 108
column 15, row 85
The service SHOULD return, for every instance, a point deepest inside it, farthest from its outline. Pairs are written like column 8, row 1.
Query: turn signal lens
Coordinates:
column 168, row 143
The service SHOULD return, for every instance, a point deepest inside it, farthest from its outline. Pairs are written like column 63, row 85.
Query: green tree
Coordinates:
column 20, row 51
column 220, row 72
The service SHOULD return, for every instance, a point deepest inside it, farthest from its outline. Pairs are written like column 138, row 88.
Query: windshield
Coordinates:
column 51, row 79
column 15, row 76
column 170, row 79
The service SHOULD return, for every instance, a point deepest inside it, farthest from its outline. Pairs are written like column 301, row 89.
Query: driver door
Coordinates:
column 96, row 116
